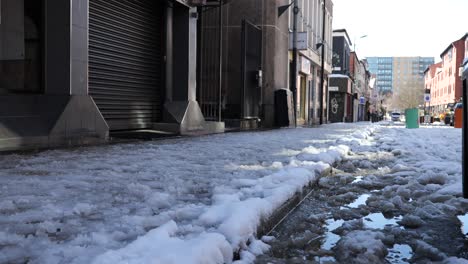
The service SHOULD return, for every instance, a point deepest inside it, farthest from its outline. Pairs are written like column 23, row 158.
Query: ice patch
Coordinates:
column 464, row 224
column 361, row 200
column 399, row 254
column 378, row 221
column 331, row 239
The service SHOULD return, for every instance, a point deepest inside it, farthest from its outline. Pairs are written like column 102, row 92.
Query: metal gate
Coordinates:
column 209, row 60
column 251, row 70
column 215, row 96
column 125, row 61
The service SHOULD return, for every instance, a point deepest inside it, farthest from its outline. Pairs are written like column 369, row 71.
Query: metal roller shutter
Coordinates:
column 125, row 61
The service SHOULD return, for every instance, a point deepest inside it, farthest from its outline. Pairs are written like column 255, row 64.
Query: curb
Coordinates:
column 280, row 214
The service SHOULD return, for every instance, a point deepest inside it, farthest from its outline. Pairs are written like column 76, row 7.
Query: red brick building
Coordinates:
column 443, row 78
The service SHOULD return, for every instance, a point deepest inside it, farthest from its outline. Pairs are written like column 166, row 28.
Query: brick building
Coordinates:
column 443, row 78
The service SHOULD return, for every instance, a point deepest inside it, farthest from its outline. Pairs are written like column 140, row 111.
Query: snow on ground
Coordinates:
column 395, row 199
column 425, row 187
column 186, row 200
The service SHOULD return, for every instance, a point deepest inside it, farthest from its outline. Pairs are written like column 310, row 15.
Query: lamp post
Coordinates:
column 465, row 129
column 355, row 44
column 294, row 61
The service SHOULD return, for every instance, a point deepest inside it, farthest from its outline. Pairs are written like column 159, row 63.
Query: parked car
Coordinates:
column 396, row 116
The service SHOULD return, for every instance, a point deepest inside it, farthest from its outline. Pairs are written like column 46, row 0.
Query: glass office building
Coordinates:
column 396, row 73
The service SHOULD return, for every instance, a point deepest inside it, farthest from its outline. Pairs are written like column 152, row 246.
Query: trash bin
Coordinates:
column 412, row 118
column 284, row 116
column 458, row 118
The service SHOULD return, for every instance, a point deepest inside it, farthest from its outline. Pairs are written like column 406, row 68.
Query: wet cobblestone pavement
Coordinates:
column 355, row 199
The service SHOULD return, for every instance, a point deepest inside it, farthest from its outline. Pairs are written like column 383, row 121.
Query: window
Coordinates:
column 21, row 38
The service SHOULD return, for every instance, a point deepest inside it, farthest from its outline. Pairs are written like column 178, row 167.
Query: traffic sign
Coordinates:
column 427, row 98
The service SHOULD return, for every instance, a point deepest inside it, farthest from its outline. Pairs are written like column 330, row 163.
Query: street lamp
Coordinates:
column 355, row 45
column 464, row 75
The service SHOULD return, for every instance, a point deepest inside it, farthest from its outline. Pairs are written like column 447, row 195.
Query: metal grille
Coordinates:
column 208, row 92
column 125, row 61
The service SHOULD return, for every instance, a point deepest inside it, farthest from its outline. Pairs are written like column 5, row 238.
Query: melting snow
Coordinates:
column 464, row 224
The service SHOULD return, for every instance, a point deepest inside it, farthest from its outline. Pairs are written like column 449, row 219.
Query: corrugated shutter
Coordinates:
column 125, row 61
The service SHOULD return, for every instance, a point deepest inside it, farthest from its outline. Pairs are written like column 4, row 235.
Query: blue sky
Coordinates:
column 402, row 27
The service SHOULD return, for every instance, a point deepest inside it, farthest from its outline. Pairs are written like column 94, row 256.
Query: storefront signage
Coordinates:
column 362, row 100
column 305, row 65
column 301, row 41
column 333, row 88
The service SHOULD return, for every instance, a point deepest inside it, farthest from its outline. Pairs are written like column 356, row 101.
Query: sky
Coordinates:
column 401, row 27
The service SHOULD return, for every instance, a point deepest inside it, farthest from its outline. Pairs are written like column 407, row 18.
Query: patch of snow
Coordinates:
column 205, row 248
column 362, row 246
column 431, row 253
column 358, row 179
column 411, row 221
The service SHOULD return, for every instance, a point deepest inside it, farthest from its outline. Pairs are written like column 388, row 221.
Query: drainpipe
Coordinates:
column 220, row 84
column 323, row 65
column 294, row 61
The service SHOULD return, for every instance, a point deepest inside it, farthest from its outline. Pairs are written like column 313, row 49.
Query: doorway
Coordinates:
column 21, row 36
column 302, row 99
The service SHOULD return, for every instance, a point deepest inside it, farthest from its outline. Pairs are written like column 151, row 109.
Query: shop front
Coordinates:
column 340, row 99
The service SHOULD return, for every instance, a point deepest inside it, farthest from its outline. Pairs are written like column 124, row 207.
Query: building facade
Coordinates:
column 315, row 18
column 408, row 72
column 341, row 95
column 443, row 78
column 382, row 67
column 395, row 74
column 361, row 78
column 243, row 61
column 73, row 71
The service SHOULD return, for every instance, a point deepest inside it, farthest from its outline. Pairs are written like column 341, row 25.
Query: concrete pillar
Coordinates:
column 66, row 47
column 184, row 36
column 79, row 47
column 66, row 73
column 181, row 111
column 169, row 49
column 58, row 49
column 275, row 56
